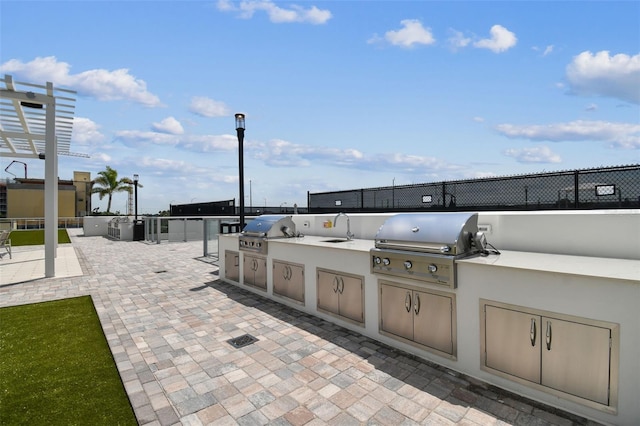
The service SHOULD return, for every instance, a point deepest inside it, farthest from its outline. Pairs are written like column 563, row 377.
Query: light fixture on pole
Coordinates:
column 240, row 131
column 135, row 201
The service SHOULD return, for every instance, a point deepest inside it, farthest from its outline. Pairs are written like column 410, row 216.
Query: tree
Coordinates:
column 108, row 184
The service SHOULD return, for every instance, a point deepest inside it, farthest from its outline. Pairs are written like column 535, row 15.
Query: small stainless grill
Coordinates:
column 256, row 233
column 425, row 246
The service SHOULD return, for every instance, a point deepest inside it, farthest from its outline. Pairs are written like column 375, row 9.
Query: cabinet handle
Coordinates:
column 416, row 304
column 548, row 335
column 341, row 285
column 532, row 333
column 335, row 284
column 407, row 301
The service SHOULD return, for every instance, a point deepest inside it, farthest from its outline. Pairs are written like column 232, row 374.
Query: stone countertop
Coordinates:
column 315, row 241
column 597, row 267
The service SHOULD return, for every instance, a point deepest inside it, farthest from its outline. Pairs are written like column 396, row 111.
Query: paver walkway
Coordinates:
column 168, row 318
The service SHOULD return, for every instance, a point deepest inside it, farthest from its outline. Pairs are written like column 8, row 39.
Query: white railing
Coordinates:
column 38, row 223
column 190, row 228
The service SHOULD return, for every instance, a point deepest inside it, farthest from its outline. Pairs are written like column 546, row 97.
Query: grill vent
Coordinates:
column 241, row 341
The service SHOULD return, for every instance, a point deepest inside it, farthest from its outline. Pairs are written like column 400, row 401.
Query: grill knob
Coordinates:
column 377, row 260
column 432, row 268
column 386, row 261
column 407, row 264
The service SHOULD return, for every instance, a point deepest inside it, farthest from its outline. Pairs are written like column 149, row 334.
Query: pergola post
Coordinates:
column 50, row 189
column 23, row 135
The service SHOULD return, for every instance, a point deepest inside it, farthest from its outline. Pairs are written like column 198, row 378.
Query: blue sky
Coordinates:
column 337, row 95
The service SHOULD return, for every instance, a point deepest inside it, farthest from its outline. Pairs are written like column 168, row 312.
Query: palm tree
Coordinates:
column 108, row 184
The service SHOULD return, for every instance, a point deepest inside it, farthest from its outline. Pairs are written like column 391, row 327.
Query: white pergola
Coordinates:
column 36, row 121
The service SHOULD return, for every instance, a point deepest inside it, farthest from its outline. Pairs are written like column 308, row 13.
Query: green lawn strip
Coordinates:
column 34, row 237
column 56, row 367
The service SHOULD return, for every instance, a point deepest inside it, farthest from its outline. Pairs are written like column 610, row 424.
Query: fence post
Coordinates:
column 577, row 188
column 158, row 229
column 205, row 237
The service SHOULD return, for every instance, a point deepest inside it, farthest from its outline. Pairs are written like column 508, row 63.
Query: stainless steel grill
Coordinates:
column 425, row 246
column 255, row 235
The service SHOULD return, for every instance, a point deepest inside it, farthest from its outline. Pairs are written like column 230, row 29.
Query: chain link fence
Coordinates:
column 599, row 188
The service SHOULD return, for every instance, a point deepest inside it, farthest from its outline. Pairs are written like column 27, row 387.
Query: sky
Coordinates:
column 338, row 95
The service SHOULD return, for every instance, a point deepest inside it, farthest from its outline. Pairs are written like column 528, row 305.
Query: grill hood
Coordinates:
column 271, row 226
column 442, row 233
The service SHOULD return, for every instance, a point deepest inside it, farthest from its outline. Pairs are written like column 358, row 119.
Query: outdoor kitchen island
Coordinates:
column 554, row 317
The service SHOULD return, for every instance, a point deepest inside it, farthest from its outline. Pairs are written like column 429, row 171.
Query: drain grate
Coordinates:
column 241, row 341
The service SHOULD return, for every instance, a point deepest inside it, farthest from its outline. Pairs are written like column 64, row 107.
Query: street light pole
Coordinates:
column 240, row 131
column 135, row 201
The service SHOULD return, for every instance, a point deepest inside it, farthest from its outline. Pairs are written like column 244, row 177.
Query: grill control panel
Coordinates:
column 431, row 268
column 253, row 244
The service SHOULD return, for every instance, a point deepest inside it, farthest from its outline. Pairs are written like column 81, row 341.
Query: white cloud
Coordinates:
column 547, row 50
column 101, row 84
column 600, row 74
column 457, row 40
column 86, row 132
column 478, row 119
column 278, row 15
column 540, row 154
column 206, row 107
column 591, row 107
column 279, row 153
column 501, row 40
column 169, row 125
column 135, row 138
column 198, row 176
column 192, row 143
column 101, row 158
column 620, row 135
column 412, row 33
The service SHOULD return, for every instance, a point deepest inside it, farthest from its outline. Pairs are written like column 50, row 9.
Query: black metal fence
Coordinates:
column 225, row 207
column 599, row 188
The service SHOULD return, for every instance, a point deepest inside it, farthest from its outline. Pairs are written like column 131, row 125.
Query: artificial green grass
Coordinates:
column 34, row 237
column 56, row 367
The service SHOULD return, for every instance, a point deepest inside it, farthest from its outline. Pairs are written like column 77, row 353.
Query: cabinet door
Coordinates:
column 512, row 342
column 328, row 291
column 288, row 280
column 433, row 322
column 255, row 271
column 350, row 299
column 575, row 359
column 396, row 314
column 296, row 282
column 249, row 270
column 261, row 273
column 280, row 282
column 232, row 265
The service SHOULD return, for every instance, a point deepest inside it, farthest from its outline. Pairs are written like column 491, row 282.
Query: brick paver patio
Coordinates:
column 168, row 318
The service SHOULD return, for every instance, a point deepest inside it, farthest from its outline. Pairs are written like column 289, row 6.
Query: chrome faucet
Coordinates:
column 349, row 234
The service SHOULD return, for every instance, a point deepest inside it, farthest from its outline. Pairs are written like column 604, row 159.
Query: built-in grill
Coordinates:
column 255, row 235
column 425, row 246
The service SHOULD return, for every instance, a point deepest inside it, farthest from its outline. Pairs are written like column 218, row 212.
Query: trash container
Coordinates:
column 138, row 230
